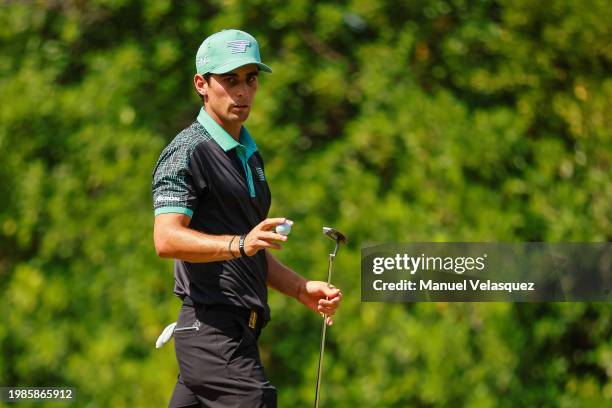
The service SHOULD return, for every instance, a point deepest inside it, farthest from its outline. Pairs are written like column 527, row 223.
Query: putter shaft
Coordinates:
column 324, row 331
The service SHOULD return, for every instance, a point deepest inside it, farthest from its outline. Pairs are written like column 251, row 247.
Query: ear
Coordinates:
column 200, row 84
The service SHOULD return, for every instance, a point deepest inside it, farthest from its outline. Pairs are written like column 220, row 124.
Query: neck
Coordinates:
column 233, row 128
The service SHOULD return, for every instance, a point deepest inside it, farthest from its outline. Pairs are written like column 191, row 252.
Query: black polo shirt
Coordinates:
column 220, row 183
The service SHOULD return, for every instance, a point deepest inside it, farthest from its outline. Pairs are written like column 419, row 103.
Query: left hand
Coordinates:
column 320, row 298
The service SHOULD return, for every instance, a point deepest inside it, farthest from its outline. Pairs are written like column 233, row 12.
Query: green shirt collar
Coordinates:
column 223, row 138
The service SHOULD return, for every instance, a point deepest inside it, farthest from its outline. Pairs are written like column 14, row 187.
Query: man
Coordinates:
column 211, row 203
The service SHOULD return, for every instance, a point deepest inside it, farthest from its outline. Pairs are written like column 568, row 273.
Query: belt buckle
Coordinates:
column 253, row 319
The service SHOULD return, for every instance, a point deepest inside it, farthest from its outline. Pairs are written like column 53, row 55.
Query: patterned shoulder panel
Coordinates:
column 174, row 181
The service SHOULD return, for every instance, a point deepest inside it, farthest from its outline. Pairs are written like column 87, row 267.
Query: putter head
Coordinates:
column 335, row 235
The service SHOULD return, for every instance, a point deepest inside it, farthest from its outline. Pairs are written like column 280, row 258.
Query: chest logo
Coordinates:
column 260, row 174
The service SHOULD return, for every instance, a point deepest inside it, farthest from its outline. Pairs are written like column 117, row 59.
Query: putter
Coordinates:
column 338, row 238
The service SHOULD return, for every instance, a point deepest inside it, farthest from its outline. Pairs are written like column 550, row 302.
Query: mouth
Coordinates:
column 240, row 106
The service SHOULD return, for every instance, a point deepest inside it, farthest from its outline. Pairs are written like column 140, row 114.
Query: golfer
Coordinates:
column 211, row 201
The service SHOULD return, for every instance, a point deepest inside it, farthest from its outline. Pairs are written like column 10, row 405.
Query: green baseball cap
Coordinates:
column 227, row 50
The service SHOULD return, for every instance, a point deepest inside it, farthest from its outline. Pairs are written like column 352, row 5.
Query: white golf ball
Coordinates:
column 283, row 229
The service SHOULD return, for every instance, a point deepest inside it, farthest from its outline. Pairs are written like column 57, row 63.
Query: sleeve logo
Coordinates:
column 167, row 198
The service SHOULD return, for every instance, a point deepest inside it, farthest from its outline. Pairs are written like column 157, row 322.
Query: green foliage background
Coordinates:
column 437, row 120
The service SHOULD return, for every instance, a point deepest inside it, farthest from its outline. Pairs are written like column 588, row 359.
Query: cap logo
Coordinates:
column 238, row 46
column 203, row 60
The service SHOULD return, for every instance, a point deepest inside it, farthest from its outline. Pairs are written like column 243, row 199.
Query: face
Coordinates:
column 229, row 96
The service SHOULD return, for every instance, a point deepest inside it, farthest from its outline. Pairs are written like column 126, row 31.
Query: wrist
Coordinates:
column 241, row 245
column 300, row 290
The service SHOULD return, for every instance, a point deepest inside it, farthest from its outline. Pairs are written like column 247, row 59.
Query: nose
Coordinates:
column 241, row 89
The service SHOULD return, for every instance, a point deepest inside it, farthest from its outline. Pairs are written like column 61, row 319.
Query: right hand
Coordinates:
column 263, row 236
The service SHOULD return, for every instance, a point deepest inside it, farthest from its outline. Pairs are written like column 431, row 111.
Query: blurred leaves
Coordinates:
column 394, row 122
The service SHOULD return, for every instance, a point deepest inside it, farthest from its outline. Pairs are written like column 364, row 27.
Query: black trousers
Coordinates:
column 219, row 363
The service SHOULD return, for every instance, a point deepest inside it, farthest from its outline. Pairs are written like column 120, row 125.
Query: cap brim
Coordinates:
column 232, row 65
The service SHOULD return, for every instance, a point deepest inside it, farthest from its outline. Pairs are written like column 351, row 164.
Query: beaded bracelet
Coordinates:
column 230, row 247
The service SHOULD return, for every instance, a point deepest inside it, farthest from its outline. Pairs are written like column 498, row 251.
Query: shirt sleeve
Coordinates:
column 175, row 189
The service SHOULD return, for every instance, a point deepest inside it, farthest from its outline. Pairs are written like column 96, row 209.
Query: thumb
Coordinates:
column 330, row 291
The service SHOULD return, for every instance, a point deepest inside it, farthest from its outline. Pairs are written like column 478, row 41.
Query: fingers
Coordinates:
column 328, row 319
column 326, row 298
column 252, row 247
column 266, row 240
column 331, row 291
column 328, row 307
column 266, row 244
column 271, row 236
column 261, row 237
column 270, row 223
column 326, row 310
column 322, row 288
column 335, row 302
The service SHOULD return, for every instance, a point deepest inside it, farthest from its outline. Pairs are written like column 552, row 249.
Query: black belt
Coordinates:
column 253, row 317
